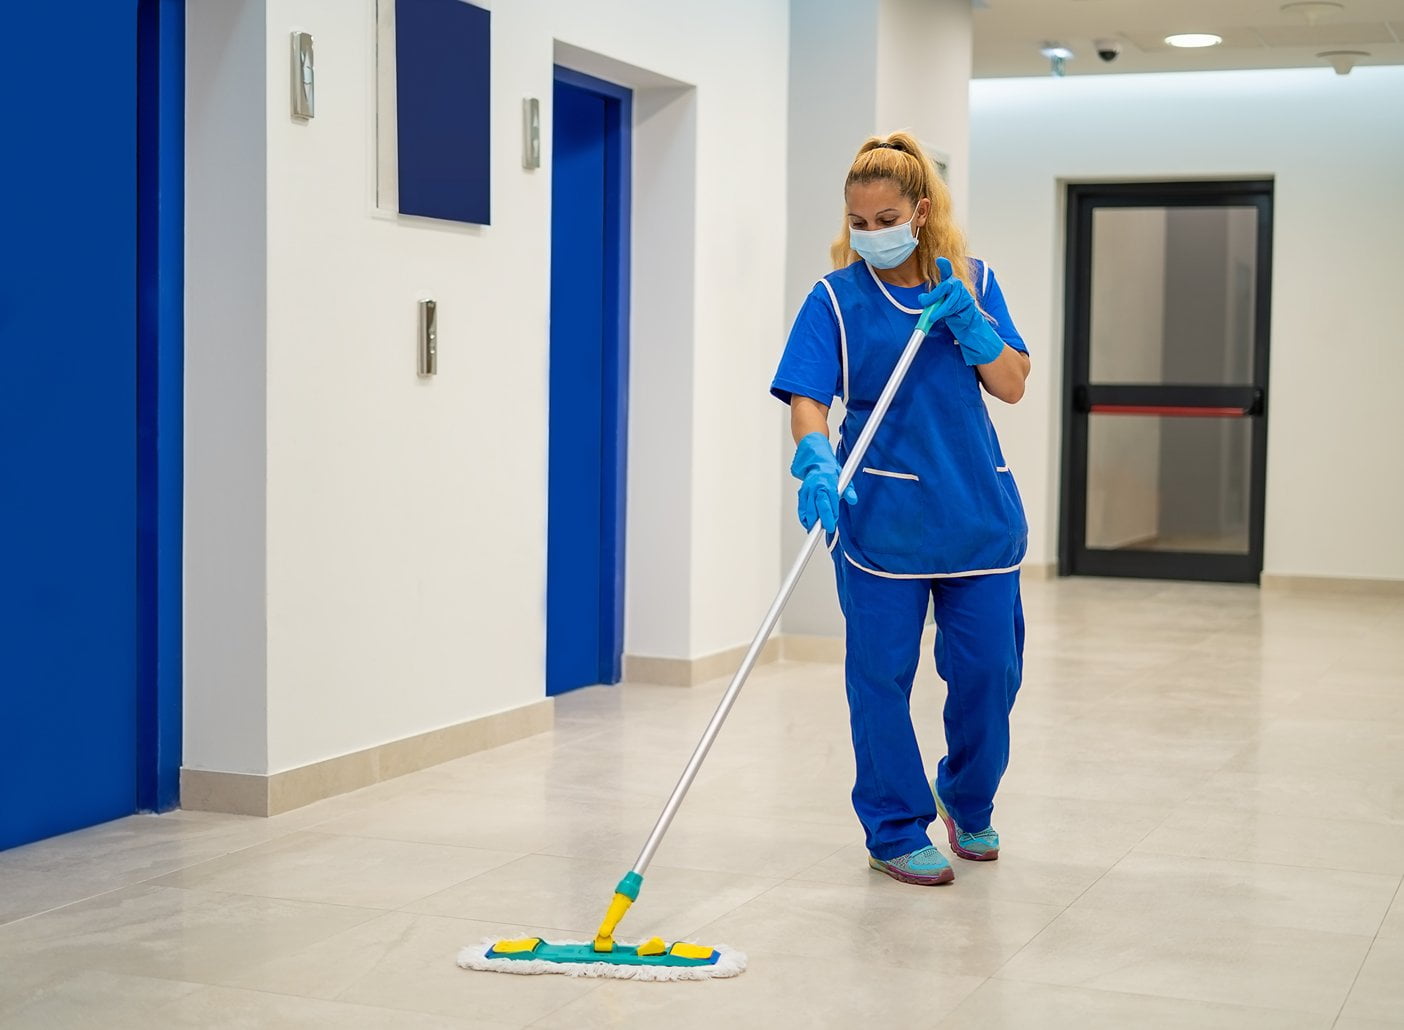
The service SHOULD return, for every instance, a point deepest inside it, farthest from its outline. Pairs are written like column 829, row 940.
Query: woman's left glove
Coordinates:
column 979, row 343
column 817, row 469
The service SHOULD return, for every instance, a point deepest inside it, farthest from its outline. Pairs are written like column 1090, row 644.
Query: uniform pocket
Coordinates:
column 1013, row 503
column 890, row 516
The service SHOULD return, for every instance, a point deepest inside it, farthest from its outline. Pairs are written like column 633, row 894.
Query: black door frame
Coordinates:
column 1079, row 395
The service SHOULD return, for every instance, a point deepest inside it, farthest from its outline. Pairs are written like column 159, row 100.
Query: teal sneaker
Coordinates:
column 926, row 867
column 977, row 847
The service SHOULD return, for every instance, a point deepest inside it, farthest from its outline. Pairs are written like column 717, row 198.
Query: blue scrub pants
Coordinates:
column 980, row 655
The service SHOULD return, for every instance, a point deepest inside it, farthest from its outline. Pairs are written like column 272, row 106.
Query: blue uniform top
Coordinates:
column 935, row 497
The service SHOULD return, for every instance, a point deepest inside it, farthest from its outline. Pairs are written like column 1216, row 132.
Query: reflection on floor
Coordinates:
column 1203, row 826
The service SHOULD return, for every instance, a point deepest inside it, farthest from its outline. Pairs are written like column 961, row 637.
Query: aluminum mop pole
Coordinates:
column 628, row 888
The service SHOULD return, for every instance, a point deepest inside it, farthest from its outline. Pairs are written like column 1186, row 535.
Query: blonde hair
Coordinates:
column 900, row 160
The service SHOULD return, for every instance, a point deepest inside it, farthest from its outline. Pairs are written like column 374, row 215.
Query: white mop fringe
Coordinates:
column 730, row 962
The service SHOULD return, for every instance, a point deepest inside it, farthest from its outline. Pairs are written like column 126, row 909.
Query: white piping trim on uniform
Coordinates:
column 883, row 287
column 843, row 336
column 892, row 475
column 928, row 575
column 985, row 279
column 1001, row 468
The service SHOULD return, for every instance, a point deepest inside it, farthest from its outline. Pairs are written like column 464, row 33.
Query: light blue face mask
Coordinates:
column 884, row 248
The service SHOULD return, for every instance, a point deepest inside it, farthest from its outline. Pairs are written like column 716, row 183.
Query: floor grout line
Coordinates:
column 1398, row 892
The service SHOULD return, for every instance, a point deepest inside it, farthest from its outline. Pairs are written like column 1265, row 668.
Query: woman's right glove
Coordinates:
column 817, row 469
column 979, row 343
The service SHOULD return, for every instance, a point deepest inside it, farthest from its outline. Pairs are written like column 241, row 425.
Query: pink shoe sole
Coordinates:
column 944, row 876
column 969, row 856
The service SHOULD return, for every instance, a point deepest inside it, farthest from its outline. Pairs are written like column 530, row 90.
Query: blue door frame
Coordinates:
column 591, row 190
column 160, row 397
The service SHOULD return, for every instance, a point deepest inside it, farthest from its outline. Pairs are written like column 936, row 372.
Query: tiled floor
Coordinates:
column 1203, row 827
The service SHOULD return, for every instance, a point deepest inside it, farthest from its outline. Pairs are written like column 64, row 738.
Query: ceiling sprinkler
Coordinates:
column 1343, row 60
column 1058, row 56
column 1312, row 11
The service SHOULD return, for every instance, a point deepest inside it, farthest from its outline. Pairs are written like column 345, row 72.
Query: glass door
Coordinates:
column 1165, row 415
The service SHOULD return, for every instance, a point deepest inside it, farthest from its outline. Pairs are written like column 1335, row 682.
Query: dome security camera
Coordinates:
column 1108, row 49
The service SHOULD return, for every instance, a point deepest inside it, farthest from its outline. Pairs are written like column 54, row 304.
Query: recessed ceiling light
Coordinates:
column 1194, row 39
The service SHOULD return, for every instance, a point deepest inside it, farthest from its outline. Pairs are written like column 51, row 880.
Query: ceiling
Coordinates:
column 1257, row 34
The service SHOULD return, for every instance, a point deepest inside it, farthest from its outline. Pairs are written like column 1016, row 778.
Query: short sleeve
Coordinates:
column 993, row 303
column 811, row 365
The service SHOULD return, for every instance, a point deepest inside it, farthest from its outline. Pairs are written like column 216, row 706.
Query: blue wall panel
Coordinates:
column 68, row 449
column 442, row 76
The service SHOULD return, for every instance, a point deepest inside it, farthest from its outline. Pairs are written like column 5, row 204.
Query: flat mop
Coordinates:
column 655, row 959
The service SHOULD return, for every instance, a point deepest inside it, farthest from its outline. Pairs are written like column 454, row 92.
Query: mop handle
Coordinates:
column 850, row 467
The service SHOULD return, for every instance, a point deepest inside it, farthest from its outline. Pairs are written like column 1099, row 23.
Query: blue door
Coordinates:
column 589, row 375
column 69, row 619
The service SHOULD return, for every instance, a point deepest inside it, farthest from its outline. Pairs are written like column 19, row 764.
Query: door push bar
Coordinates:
column 1084, row 405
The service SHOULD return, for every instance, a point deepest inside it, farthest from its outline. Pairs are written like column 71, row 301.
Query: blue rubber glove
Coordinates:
column 817, row 469
column 979, row 343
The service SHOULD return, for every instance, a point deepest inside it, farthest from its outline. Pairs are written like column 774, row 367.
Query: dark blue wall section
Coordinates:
column 68, row 418
column 590, row 185
column 442, row 77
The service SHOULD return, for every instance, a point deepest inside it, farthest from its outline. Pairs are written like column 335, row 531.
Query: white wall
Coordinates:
column 406, row 519
column 1335, row 147
column 857, row 68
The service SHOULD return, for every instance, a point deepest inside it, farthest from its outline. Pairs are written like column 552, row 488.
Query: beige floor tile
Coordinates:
column 1073, row 830
column 474, row 819
column 408, row 962
column 62, row 870
column 1351, row 1023
column 339, row 870
column 1125, row 780
column 1168, row 887
column 1379, row 989
column 1207, row 831
column 94, row 1000
column 778, row 990
column 711, row 841
column 1331, row 747
column 87, row 999
column 572, row 894
column 216, row 1008
column 1012, row 1005
column 884, row 922
column 1358, row 796
column 1393, row 926
column 1156, row 719
column 195, row 936
column 1217, row 961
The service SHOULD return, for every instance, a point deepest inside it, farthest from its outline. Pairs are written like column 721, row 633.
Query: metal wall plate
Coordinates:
column 531, row 133
column 428, row 338
column 304, row 86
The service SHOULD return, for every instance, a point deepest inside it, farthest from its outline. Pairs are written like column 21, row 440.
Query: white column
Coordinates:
column 858, row 68
column 226, row 669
